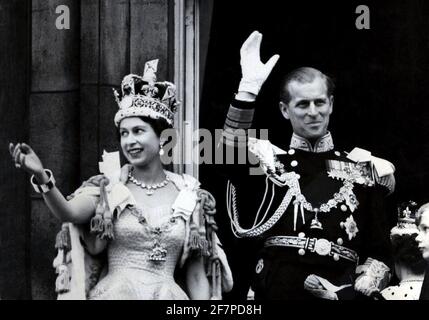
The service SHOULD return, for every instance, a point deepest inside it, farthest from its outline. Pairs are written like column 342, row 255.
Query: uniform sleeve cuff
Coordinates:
column 243, row 104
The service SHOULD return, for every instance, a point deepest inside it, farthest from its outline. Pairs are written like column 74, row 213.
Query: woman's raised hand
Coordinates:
column 254, row 72
column 24, row 157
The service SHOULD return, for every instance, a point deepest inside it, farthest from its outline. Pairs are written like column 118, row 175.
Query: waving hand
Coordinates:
column 254, row 71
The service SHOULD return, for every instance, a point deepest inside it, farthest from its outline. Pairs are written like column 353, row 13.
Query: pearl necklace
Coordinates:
column 150, row 189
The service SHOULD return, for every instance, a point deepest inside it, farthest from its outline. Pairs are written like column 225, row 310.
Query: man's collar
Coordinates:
column 323, row 144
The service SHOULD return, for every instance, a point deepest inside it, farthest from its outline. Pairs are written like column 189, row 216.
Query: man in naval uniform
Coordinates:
column 321, row 226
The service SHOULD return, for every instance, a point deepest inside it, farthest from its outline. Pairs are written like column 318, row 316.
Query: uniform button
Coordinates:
column 343, row 208
column 294, row 163
column 291, row 152
column 342, row 224
column 301, row 252
column 336, row 257
column 337, row 153
column 301, row 235
column 259, row 266
column 340, row 241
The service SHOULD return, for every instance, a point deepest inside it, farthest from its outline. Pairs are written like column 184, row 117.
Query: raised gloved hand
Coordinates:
column 254, row 72
column 313, row 284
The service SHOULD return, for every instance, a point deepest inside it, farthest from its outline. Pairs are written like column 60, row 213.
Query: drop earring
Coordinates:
column 161, row 150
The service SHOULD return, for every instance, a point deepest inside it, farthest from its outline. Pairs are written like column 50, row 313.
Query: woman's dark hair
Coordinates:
column 420, row 212
column 405, row 251
column 158, row 125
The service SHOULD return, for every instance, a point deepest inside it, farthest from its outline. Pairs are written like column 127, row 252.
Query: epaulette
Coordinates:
column 383, row 170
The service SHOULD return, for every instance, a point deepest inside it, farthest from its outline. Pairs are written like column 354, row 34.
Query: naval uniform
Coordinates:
column 318, row 235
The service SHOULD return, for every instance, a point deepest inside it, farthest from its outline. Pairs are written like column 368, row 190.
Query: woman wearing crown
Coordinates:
column 409, row 263
column 153, row 224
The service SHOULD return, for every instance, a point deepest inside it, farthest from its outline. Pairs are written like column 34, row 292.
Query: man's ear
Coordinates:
column 331, row 98
column 162, row 141
column 284, row 108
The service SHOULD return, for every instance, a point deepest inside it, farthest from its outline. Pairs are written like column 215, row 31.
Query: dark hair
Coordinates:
column 304, row 75
column 405, row 251
column 158, row 125
column 420, row 212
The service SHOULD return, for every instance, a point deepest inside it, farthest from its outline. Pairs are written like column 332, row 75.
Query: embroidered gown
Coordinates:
column 134, row 273
column 151, row 242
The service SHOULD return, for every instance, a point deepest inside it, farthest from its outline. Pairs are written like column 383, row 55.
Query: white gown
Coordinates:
column 133, row 273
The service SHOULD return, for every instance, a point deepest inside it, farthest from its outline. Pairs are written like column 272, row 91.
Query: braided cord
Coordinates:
column 258, row 228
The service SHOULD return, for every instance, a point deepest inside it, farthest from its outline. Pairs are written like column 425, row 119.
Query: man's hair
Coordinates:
column 304, row 75
column 420, row 212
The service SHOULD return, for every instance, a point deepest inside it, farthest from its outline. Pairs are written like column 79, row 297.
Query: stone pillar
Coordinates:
column 54, row 126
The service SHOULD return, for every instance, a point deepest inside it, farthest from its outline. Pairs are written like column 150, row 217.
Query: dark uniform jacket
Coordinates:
column 279, row 272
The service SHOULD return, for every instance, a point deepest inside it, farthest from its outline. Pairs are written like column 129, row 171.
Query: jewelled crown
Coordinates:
column 143, row 96
column 406, row 219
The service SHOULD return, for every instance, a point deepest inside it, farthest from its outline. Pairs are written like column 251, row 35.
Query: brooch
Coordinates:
column 350, row 227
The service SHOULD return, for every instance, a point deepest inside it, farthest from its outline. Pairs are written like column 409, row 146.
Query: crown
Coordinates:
column 406, row 219
column 143, row 96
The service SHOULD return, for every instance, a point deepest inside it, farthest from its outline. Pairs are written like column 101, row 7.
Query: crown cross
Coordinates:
column 407, row 212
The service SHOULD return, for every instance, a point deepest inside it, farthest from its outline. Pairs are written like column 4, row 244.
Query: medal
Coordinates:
column 350, row 226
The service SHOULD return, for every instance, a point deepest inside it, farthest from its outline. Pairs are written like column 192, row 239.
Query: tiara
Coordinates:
column 406, row 219
column 143, row 96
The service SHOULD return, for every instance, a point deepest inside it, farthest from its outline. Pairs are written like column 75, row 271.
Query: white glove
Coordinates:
column 366, row 285
column 254, row 72
column 313, row 284
column 374, row 277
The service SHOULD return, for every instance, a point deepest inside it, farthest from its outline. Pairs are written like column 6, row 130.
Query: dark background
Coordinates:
column 381, row 75
column 55, row 92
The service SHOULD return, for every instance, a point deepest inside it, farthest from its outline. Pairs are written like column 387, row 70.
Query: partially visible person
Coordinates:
column 408, row 261
column 422, row 220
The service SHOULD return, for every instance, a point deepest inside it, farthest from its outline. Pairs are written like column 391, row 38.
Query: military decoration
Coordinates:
column 315, row 223
column 350, row 226
column 360, row 173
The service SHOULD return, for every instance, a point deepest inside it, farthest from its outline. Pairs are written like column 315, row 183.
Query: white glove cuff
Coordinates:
column 249, row 86
column 377, row 271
